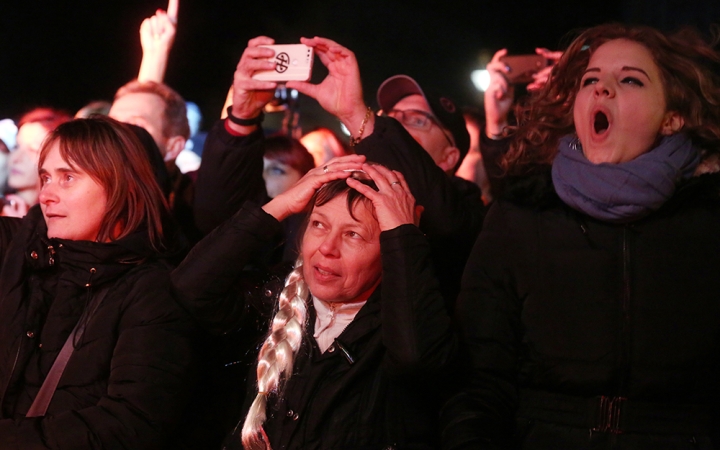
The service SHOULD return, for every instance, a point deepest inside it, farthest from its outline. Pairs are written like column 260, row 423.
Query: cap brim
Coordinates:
column 396, row 88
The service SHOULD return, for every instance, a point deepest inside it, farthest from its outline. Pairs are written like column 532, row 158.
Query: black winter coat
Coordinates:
column 126, row 382
column 584, row 334
column 373, row 388
column 454, row 210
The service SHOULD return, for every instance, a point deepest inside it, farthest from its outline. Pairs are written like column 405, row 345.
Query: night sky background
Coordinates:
column 67, row 53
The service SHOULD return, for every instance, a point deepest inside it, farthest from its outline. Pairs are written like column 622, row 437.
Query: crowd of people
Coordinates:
column 540, row 274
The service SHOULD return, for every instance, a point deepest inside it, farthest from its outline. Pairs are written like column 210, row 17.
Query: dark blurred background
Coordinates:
column 68, row 53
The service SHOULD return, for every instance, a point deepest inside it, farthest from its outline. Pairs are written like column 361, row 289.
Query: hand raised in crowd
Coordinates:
column 393, row 202
column 250, row 96
column 340, row 93
column 499, row 96
column 295, row 199
column 14, row 206
column 157, row 34
column 540, row 78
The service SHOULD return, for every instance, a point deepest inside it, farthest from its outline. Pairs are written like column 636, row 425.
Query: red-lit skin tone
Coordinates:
column 72, row 202
column 144, row 110
column 24, row 160
column 623, row 82
column 342, row 255
column 278, row 176
column 433, row 140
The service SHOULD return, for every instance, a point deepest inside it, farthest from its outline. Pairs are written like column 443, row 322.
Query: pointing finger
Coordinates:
column 172, row 10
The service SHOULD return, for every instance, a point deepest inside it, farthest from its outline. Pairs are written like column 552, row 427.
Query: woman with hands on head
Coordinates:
column 359, row 334
column 454, row 210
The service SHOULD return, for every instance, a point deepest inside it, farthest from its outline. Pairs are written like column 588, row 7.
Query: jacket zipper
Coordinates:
column 625, row 340
column 612, row 409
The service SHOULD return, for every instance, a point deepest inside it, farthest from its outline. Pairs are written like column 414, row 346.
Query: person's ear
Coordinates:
column 451, row 156
column 173, row 147
column 672, row 123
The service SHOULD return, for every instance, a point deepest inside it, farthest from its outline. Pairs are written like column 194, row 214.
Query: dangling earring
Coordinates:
column 576, row 145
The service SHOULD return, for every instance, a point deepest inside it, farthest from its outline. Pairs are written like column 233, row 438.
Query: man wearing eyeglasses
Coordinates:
column 433, row 121
column 423, row 135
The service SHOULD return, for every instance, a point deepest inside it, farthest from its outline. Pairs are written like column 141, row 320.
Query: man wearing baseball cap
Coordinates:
column 432, row 120
column 422, row 135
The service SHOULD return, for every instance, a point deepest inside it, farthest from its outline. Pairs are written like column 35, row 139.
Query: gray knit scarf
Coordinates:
column 626, row 191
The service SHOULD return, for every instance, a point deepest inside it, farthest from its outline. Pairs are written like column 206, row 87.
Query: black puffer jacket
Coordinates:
column 125, row 384
column 375, row 387
column 454, row 210
column 584, row 334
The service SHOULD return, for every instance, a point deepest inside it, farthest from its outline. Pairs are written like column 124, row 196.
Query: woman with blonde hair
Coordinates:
column 359, row 335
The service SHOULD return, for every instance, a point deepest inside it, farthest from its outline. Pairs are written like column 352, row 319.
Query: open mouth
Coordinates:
column 325, row 273
column 601, row 123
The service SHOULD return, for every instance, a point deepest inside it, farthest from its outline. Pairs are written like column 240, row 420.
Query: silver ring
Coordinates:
column 394, row 182
column 325, row 169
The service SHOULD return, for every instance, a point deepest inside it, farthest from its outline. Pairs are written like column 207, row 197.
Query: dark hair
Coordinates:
column 685, row 61
column 112, row 155
column 336, row 188
column 175, row 121
column 289, row 151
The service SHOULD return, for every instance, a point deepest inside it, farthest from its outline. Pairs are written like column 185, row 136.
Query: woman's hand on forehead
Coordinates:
column 394, row 203
column 295, row 199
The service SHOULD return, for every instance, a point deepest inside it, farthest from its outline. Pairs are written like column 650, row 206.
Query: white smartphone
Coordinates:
column 293, row 62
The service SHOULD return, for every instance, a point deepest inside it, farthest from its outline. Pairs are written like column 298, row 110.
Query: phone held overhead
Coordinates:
column 520, row 68
column 293, row 62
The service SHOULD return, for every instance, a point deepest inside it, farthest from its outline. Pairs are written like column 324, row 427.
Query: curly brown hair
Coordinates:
column 692, row 88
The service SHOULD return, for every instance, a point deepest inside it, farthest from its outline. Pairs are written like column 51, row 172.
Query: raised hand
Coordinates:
column 540, row 79
column 394, row 203
column 499, row 96
column 295, row 199
column 340, row 93
column 157, row 34
column 14, row 206
column 250, row 96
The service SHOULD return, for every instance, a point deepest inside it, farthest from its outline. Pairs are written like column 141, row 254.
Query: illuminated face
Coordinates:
column 322, row 145
column 72, row 202
column 620, row 109
column 278, row 176
column 432, row 139
column 23, row 164
column 145, row 110
column 341, row 255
